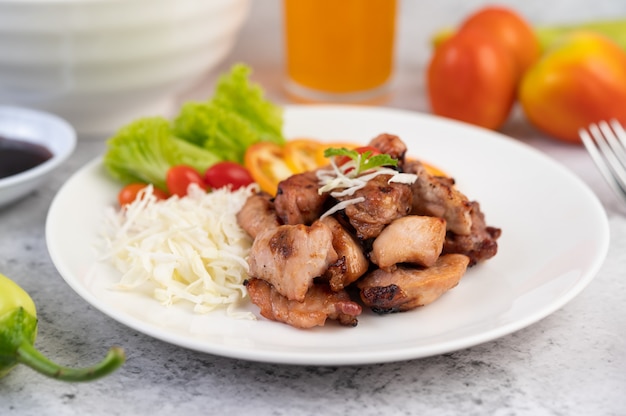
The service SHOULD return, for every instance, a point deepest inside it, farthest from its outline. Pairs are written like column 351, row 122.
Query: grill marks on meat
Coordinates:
column 411, row 239
column 291, row 256
column 391, row 145
column 384, row 202
column 298, row 200
column 319, row 304
column 467, row 231
column 258, row 214
column 401, row 248
column 351, row 263
column 407, row 288
column 480, row 245
column 436, row 196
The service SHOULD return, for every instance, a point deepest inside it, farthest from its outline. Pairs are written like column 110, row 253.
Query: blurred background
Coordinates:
column 118, row 60
column 261, row 41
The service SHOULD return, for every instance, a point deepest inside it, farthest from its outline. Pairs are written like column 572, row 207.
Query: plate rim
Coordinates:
column 360, row 357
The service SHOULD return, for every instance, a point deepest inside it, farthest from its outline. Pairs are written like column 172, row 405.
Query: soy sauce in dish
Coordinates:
column 17, row 156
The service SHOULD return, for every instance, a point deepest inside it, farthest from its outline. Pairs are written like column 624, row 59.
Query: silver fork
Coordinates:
column 606, row 144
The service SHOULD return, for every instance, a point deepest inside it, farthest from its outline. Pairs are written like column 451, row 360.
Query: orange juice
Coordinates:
column 339, row 46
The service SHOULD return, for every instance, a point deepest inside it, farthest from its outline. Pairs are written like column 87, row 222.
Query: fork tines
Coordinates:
column 606, row 144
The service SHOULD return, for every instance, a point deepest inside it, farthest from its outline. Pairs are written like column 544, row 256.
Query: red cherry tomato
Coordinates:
column 180, row 177
column 361, row 150
column 227, row 173
column 129, row 193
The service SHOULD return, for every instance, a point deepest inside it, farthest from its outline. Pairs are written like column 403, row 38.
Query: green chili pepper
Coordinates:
column 18, row 330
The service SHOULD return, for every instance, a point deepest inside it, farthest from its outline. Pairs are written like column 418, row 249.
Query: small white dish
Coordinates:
column 39, row 128
column 555, row 237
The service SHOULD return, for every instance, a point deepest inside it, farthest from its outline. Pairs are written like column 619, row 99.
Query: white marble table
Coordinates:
column 570, row 363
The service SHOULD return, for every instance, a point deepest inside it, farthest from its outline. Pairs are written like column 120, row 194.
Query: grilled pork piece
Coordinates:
column 384, row 202
column 257, row 214
column 352, row 262
column 407, row 288
column 437, row 197
column 403, row 246
column 297, row 199
column 391, row 145
column 291, row 256
column 411, row 239
column 319, row 304
column 481, row 244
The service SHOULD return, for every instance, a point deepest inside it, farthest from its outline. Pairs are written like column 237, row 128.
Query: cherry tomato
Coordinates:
column 227, row 173
column 511, row 30
column 361, row 150
column 301, row 154
column 473, row 78
column 180, row 177
column 265, row 162
column 129, row 193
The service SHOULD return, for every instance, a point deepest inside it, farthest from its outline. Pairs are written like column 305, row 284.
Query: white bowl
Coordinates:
column 40, row 128
column 102, row 63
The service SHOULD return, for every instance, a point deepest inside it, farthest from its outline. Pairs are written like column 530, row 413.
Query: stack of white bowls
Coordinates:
column 102, row 63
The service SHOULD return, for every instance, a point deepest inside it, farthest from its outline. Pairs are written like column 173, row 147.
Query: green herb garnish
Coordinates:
column 203, row 133
column 364, row 161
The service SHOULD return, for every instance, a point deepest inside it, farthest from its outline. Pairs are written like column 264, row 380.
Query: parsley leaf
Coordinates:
column 365, row 161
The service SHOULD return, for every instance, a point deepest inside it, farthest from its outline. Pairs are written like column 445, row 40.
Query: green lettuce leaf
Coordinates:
column 212, row 127
column 202, row 133
column 145, row 149
column 236, row 117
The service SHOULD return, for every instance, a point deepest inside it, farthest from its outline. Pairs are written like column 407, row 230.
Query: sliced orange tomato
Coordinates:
column 433, row 170
column 269, row 163
column 265, row 162
column 341, row 160
column 323, row 160
column 301, row 155
column 430, row 168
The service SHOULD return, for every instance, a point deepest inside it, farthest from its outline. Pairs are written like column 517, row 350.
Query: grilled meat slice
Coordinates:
column 411, row 239
column 258, row 214
column 408, row 287
column 481, row 244
column 391, row 145
column 351, row 263
column 297, row 199
column 438, row 197
column 291, row 256
column 384, row 202
column 319, row 304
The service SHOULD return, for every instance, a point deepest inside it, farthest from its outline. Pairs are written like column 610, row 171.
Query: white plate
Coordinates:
column 555, row 238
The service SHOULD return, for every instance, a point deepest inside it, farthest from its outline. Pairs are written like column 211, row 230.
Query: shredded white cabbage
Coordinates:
column 343, row 180
column 188, row 248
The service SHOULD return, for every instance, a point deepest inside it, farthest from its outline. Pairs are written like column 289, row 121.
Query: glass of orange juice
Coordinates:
column 339, row 50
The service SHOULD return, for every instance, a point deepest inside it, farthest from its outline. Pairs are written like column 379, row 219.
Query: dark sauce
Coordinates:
column 18, row 156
